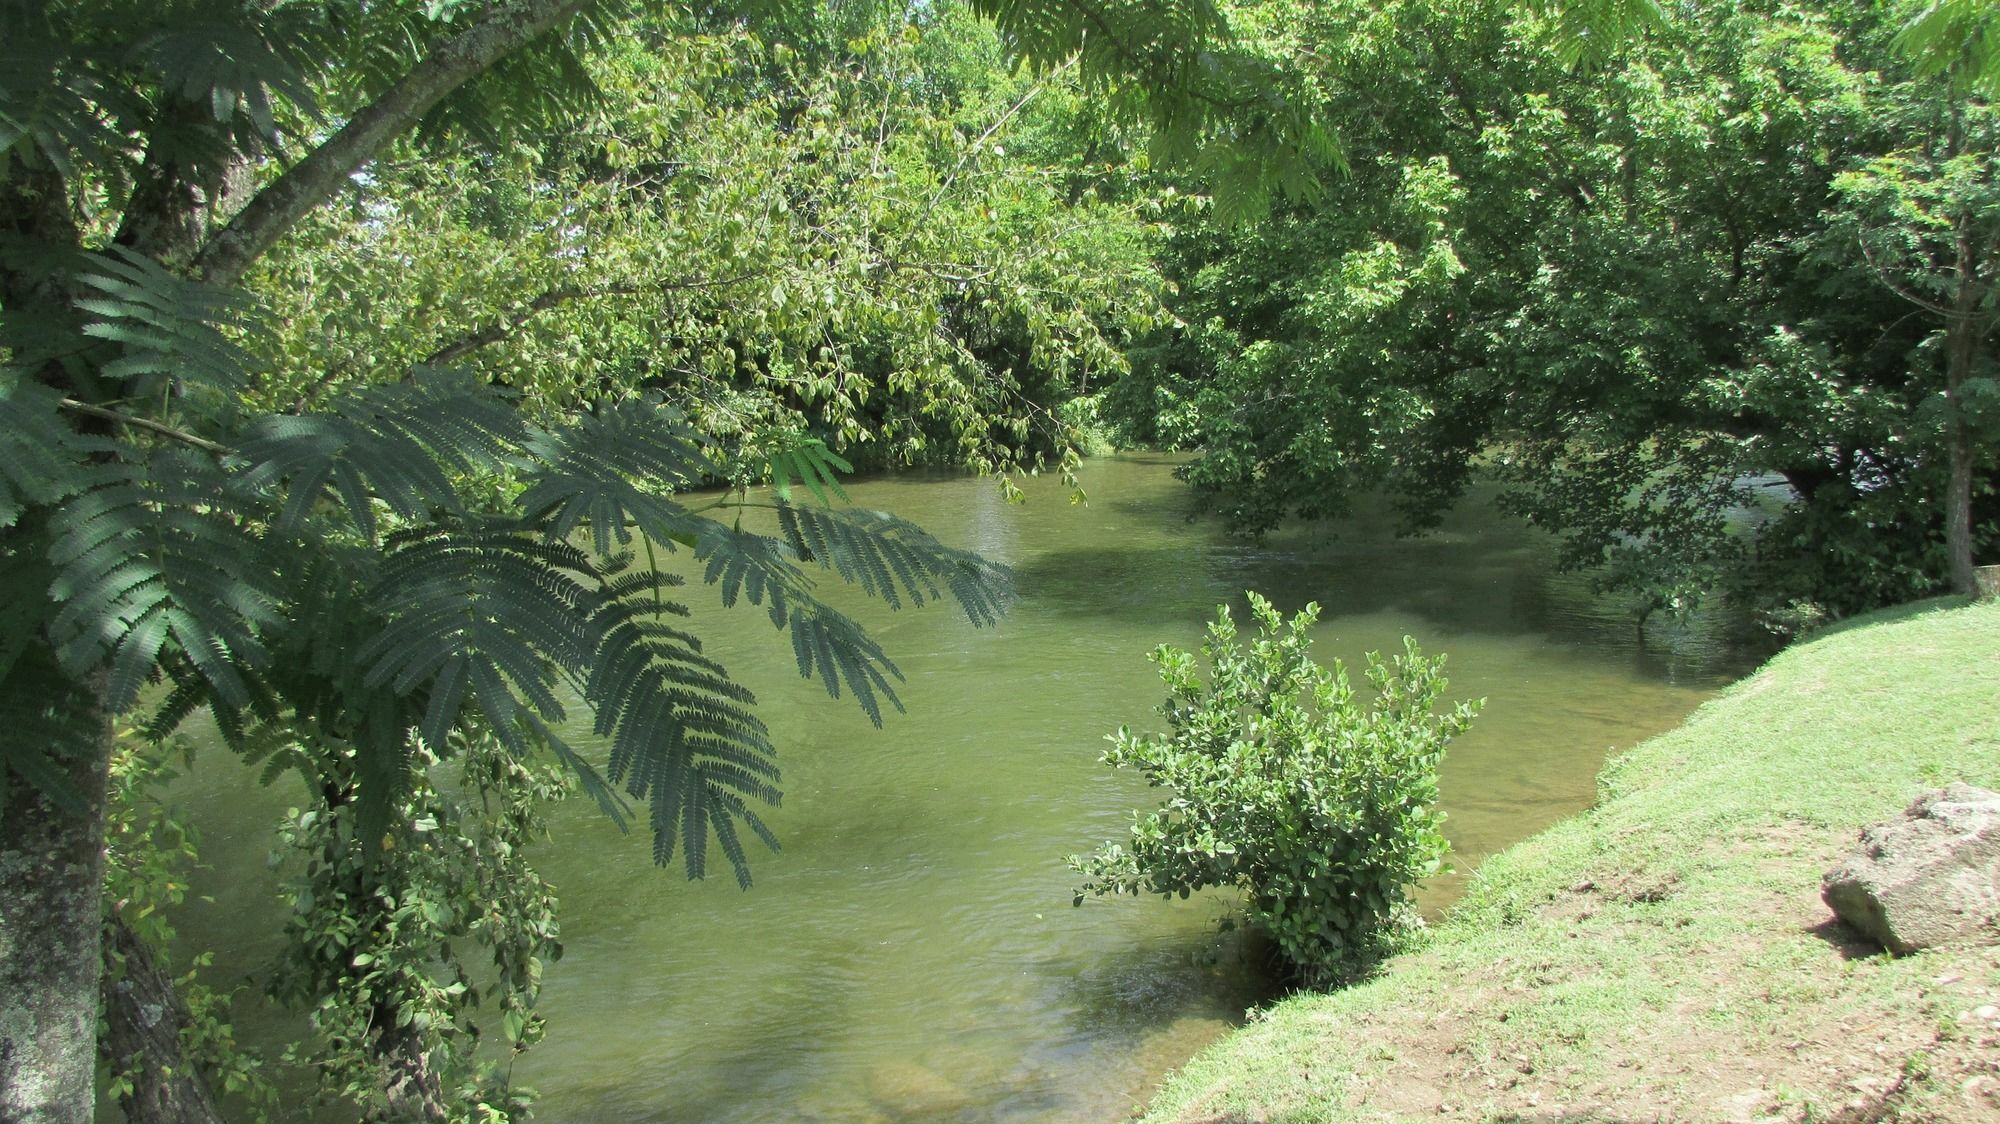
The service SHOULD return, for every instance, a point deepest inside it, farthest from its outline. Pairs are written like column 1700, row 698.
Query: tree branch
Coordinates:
column 147, row 424
column 499, row 330
column 1883, row 274
column 307, row 184
column 999, row 123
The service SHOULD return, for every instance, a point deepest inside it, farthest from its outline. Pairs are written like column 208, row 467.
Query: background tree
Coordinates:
column 782, row 246
column 1623, row 286
column 1926, row 220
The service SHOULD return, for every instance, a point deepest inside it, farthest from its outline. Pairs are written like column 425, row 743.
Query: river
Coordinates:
column 912, row 954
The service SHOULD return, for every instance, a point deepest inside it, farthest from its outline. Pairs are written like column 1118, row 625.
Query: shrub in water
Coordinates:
column 1321, row 807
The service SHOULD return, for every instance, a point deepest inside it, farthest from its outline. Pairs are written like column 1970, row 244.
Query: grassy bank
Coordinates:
column 1667, row 955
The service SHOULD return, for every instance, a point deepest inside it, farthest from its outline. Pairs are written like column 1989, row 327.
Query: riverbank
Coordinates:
column 1666, row 955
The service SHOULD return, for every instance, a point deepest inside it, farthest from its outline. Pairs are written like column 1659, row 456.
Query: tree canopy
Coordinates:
column 1665, row 296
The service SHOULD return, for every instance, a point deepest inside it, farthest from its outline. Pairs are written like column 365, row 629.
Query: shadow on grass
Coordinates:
column 1844, row 940
column 1890, row 615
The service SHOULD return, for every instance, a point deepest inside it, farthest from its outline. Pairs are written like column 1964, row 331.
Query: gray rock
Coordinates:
column 1986, row 583
column 1930, row 878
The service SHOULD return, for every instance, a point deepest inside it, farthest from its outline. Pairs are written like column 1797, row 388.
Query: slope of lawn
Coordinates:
column 1666, row 955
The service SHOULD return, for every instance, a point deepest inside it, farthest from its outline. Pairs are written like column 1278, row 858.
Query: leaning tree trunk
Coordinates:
column 143, row 1019
column 51, row 877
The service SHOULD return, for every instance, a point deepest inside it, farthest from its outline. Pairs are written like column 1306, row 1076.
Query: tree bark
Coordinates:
column 51, row 881
column 143, row 1020
column 310, row 182
column 164, row 217
column 411, row 1085
column 1961, row 340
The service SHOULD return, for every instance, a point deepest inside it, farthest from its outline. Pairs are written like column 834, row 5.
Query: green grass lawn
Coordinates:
column 1666, row 955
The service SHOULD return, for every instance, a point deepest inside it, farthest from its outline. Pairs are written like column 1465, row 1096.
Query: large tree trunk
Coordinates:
column 143, row 1020
column 51, row 879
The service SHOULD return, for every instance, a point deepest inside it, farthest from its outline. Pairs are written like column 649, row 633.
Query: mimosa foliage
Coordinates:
column 417, row 555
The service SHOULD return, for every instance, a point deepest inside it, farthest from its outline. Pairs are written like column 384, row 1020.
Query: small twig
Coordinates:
column 998, row 123
column 148, row 425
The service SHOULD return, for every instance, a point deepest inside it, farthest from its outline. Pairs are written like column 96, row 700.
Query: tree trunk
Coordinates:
column 51, row 882
column 143, row 1020
column 1958, row 507
column 411, row 1085
column 1961, row 340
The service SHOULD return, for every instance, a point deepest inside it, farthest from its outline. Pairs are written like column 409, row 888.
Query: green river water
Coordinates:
column 912, row 954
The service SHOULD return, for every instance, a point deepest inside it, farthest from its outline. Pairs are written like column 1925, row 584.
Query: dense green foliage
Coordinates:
column 1716, row 307
column 1320, row 805
column 411, row 944
column 850, row 247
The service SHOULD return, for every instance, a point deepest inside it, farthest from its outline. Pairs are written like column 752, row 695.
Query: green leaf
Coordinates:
column 41, row 457
column 167, row 328
column 613, row 467
column 891, row 558
column 399, row 445
column 484, row 606
column 151, row 565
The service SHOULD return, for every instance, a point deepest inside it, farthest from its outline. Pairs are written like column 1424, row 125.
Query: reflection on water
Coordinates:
column 912, row 954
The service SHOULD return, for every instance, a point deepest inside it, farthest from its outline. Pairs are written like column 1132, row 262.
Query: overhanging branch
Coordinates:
column 499, row 330
column 307, row 184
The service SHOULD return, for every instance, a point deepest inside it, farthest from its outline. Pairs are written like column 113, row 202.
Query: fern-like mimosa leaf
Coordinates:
column 393, row 444
column 51, row 723
column 501, row 609
column 152, row 558
column 166, row 327
column 891, row 559
column 613, row 468
column 681, row 731
column 41, row 459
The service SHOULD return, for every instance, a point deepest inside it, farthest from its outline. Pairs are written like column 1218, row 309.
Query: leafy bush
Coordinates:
column 1322, row 809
